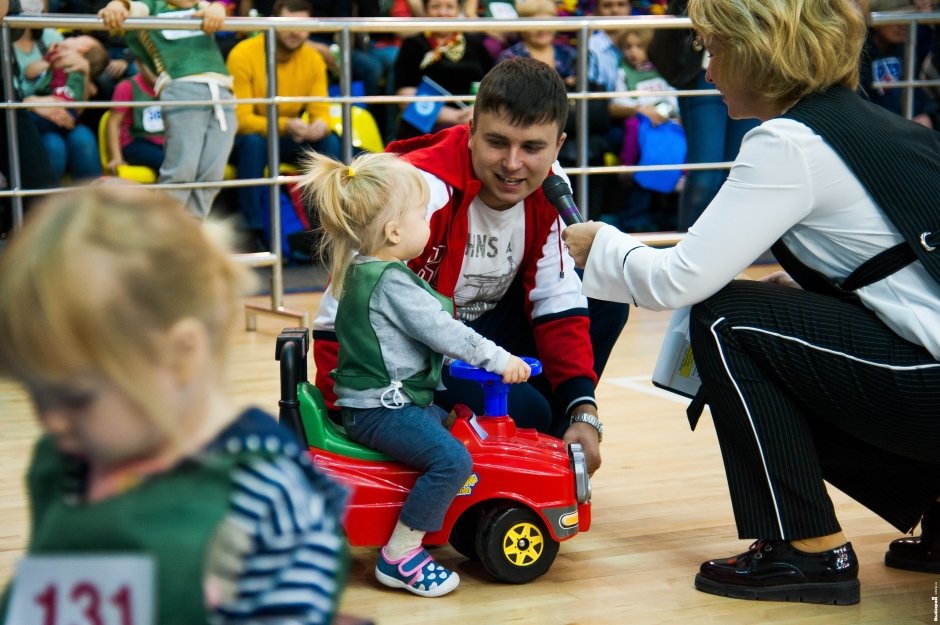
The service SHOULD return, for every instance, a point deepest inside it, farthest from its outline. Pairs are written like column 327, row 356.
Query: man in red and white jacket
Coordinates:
column 496, row 249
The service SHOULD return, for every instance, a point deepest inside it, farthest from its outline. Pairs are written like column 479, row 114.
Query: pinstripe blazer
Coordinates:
column 896, row 160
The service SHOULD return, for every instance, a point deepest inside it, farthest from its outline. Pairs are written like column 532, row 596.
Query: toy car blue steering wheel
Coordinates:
column 495, row 393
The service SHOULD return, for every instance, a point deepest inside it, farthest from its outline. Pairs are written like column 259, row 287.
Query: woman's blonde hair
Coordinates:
column 95, row 277
column 355, row 202
column 783, row 49
column 531, row 8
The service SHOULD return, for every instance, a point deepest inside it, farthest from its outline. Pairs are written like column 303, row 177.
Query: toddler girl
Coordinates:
column 393, row 329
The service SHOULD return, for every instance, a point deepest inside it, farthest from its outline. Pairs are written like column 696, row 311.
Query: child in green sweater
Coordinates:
column 189, row 66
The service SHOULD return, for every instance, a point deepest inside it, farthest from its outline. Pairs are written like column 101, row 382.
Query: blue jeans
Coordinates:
column 142, row 152
column 74, row 151
column 250, row 157
column 711, row 137
column 416, row 437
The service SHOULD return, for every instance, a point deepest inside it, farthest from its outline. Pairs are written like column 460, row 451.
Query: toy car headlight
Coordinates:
column 582, row 481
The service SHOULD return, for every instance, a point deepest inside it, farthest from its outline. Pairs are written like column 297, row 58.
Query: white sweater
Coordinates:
column 786, row 182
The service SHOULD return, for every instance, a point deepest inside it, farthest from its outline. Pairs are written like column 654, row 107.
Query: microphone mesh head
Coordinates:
column 554, row 187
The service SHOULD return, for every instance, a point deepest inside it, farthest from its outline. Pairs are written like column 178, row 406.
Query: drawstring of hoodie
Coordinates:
column 561, row 258
column 396, row 400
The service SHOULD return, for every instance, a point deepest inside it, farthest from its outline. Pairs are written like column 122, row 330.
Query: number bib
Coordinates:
column 152, row 119
column 83, row 590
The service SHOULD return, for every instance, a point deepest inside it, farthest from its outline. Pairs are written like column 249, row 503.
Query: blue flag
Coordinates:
column 423, row 115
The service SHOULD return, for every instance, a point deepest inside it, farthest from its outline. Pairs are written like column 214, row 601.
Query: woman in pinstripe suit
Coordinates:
column 830, row 371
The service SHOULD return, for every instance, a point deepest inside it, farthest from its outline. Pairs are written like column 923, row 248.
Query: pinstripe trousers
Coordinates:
column 805, row 388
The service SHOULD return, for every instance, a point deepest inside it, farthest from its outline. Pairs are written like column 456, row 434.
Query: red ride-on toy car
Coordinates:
column 527, row 492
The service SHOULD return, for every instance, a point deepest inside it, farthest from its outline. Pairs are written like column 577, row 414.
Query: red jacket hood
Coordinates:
column 425, row 153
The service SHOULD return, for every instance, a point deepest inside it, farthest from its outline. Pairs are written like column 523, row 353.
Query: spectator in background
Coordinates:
column 604, row 59
column 28, row 52
column 135, row 134
column 301, row 72
column 417, row 8
column 541, row 45
column 711, row 136
column 371, row 64
column 35, row 170
column 454, row 60
column 604, row 54
column 66, row 74
column 198, row 138
column 648, row 112
column 883, row 61
column 544, row 46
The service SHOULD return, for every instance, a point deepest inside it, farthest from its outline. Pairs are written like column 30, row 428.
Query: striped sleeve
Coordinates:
column 294, row 567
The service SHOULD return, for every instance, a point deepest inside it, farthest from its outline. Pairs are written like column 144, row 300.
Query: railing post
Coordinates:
column 274, row 166
column 581, row 120
column 910, row 69
column 345, row 85
column 16, row 176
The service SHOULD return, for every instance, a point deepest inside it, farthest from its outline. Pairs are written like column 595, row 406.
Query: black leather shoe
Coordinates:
column 918, row 553
column 775, row 571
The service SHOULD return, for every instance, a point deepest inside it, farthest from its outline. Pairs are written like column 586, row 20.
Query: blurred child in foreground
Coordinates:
column 115, row 313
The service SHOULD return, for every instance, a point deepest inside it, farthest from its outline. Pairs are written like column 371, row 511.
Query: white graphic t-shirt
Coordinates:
column 491, row 259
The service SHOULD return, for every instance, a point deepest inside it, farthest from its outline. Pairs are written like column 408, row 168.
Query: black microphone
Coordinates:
column 558, row 192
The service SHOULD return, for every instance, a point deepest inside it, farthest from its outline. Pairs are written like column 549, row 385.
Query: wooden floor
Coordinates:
column 660, row 507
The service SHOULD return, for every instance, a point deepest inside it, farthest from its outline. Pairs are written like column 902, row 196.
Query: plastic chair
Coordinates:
column 137, row 173
column 366, row 135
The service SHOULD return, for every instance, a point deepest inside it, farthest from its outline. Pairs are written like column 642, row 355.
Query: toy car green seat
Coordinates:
column 323, row 433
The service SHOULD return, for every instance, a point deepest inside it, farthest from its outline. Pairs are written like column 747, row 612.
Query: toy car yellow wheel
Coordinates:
column 513, row 544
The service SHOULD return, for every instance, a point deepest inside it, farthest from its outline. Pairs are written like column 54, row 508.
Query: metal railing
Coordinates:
column 344, row 31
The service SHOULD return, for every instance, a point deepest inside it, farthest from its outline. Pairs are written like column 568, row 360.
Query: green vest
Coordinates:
column 633, row 77
column 177, row 57
column 138, row 129
column 170, row 517
column 360, row 365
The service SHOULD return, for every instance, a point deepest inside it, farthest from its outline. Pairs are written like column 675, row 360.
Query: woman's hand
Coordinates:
column 782, row 278
column 58, row 115
column 579, row 238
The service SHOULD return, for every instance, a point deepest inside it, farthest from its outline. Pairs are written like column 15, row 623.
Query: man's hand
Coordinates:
column 213, row 17
column 579, row 238
column 586, row 435
column 295, row 128
column 114, row 14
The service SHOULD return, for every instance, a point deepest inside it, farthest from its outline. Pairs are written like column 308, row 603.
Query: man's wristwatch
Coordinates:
column 594, row 422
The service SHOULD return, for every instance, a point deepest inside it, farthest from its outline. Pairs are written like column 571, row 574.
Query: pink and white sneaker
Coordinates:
column 417, row 573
